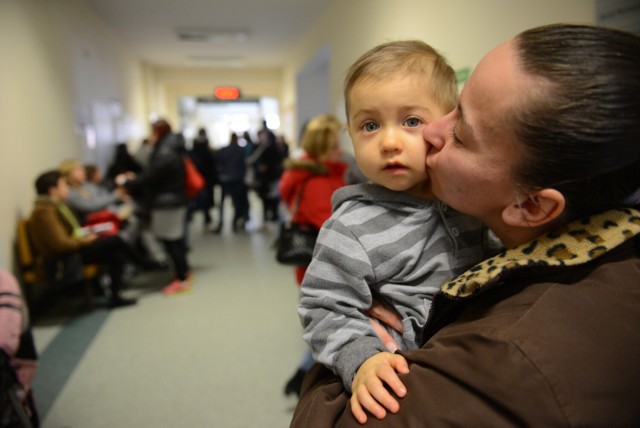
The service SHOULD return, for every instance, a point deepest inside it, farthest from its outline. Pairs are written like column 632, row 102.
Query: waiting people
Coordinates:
column 56, row 233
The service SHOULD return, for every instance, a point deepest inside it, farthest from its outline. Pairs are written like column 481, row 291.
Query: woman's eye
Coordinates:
column 413, row 122
column 455, row 136
column 370, row 126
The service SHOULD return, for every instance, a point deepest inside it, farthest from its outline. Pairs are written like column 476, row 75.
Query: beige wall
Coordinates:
column 463, row 30
column 63, row 66
column 60, row 65
column 169, row 84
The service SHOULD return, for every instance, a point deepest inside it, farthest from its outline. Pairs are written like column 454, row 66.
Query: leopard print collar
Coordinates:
column 574, row 244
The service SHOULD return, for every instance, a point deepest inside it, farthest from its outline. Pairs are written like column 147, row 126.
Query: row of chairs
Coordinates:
column 32, row 272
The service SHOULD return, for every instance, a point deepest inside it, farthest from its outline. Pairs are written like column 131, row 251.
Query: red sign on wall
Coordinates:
column 227, row 93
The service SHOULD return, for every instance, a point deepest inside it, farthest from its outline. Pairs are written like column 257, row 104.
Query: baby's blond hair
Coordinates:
column 407, row 56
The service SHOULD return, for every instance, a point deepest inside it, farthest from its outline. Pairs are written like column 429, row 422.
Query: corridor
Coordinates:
column 218, row 356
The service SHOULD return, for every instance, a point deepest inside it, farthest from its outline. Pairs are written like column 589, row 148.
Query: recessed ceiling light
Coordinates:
column 212, row 35
column 216, row 60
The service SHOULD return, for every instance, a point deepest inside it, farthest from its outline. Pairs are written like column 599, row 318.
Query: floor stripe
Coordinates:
column 58, row 361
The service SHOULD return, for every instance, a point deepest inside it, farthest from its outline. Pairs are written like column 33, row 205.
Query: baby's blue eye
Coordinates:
column 370, row 126
column 413, row 122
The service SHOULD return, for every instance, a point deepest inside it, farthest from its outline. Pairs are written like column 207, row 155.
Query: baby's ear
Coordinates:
column 538, row 209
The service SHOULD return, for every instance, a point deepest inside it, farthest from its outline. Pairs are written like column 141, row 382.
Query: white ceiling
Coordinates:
column 268, row 29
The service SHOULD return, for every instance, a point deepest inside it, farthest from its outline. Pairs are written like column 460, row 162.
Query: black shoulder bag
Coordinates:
column 295, row 243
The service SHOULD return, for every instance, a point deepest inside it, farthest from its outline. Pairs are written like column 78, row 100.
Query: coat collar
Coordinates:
column 574, row 244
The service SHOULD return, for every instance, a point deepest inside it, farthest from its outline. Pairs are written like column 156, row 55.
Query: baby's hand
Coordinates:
column 368, row 390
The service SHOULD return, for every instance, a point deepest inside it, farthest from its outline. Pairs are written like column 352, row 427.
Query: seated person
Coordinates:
column 86, row 197
column 54, row 231
column 94, row 175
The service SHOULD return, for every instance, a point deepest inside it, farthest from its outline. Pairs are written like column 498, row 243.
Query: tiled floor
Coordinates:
column 218, row 356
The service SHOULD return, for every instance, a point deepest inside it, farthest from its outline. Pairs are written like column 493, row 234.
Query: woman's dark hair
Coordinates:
column 580, row 122
column 46, row 181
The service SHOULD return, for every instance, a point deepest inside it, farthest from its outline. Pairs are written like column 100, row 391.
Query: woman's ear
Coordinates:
column 538, row 209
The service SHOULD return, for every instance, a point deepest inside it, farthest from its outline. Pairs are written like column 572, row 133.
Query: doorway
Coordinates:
column 221, row 118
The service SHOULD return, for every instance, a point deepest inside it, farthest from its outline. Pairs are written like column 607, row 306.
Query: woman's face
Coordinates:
column 335, row 151
column 77, row 175
column 471, row 152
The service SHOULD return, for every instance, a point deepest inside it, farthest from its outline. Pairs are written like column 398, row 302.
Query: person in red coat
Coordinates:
column 313, row 177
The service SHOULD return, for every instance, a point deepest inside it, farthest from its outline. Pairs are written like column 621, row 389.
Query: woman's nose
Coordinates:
column 435, row 133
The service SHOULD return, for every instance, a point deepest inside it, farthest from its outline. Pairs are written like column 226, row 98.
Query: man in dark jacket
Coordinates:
column 232, row 169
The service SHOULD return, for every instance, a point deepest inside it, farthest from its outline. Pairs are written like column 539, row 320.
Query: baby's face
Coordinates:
column 386, row 122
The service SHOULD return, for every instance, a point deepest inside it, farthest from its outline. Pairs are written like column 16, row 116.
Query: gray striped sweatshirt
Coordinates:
column 386, row 244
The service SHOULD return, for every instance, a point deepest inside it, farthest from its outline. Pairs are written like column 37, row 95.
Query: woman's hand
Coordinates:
column 384, row 336
column 386, row 315
column 369, row 391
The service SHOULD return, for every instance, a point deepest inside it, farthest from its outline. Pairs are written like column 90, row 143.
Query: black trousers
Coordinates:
column 239, row 197
column 112, row 252
column 178, row 254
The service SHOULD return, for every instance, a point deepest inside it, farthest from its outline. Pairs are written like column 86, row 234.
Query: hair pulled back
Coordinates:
column 580, row 124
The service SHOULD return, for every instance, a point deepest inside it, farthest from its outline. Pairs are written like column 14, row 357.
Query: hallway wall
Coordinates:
column 172, row 83
column 462, row 30
column 64, row 69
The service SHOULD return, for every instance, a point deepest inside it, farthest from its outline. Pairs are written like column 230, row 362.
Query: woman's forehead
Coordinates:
column 491, row 93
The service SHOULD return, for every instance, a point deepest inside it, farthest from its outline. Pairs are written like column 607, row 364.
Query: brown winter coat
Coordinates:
column 49, row 232
column 544, row 335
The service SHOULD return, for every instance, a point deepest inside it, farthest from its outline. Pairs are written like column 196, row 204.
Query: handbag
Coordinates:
column 194, row 181
column 296, row 241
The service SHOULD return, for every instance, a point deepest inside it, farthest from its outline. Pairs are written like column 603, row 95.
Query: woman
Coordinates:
column 306, row 187
column 86, row 197
column 163, row 181
column 543, row 148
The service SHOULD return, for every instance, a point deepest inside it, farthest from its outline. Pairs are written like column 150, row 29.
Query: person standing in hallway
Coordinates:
column 267, row 161
column 203, row 158
column 306, row 187
column 122, row 163
column 142, row 210
column 232, row 169
column 164, row 183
